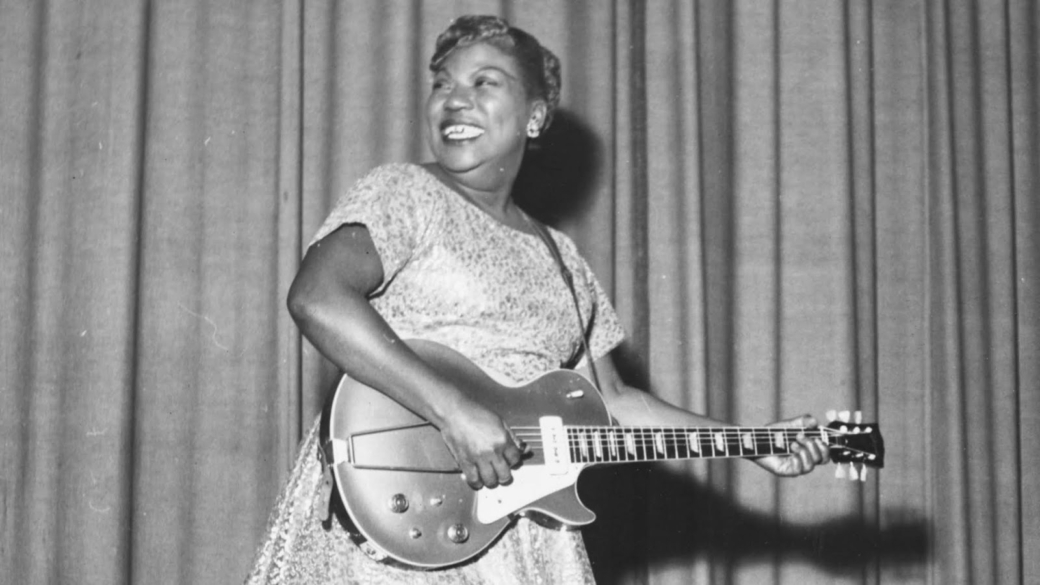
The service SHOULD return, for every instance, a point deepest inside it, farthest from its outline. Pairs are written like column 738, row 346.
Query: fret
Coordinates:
column 747, row 444
column 659, row 444
column 630, row 444
column 597, row 445
column 762, row 444
column 733, row 444
column 681, row 449
column 720, row 443
column 767, row 441
column 694, row 441
column 613, row 445
column 678, row 445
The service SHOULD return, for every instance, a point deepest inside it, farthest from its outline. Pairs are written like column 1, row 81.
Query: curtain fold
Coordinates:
column 70, row 132
column 979, row 63
column 146, row 366
column 796, row 206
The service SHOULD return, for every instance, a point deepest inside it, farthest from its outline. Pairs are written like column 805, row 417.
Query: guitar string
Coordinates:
column 653, row 441
column 605, row 438
column 683, row 436
column 707, row 446
column 738, row 430
column 682, row 433
column 624, row 452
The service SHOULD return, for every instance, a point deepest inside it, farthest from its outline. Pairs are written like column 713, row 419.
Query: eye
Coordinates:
column 438, row 84
column 486, row 81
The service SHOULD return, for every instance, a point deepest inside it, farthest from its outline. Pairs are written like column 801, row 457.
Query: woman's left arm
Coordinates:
column 631, row 406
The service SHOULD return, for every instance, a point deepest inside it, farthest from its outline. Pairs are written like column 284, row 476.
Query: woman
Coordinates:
column 441, row 252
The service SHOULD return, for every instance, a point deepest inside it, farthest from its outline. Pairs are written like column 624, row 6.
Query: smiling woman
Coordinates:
column 478, row 117
column 442, row 253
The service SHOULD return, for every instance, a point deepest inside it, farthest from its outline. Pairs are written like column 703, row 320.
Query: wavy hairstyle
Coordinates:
column 539, row 67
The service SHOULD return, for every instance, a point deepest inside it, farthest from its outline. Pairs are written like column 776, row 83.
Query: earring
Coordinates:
column 532, row 129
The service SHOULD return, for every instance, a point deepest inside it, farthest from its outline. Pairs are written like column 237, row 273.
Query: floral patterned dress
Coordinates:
column 454, row 275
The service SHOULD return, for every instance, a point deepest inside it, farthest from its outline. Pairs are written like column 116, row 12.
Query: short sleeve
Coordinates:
column 605, row 330
column 603, row 327
column 394, row 203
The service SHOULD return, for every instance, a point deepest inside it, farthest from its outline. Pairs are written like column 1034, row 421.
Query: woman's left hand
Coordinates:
column 805, row 454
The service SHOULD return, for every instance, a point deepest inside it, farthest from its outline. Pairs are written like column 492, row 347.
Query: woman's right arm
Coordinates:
column 328, row 300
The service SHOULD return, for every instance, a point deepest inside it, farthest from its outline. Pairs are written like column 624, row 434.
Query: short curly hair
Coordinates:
column 539, row 67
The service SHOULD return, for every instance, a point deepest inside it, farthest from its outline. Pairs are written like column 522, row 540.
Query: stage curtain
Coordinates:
column 796, row 205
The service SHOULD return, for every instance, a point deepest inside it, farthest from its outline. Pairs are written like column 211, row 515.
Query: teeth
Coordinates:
column 461, row 132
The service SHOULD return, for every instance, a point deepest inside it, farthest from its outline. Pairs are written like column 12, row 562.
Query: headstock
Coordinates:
column 853, row 442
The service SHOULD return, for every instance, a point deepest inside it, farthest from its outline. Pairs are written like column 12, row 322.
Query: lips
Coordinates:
column 451, row 130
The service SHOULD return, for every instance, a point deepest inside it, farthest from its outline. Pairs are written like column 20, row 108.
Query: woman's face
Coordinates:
column 478, row 111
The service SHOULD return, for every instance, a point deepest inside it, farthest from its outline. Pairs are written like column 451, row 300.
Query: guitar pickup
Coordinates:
column 555, row 447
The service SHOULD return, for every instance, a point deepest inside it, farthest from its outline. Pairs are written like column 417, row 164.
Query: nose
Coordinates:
column 459, row 98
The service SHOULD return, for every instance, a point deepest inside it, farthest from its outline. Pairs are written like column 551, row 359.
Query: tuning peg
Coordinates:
column 863, row 473
column 853, row 475
column 844, row 416
column 858, row 417
column 839, row 471
column 832, row 415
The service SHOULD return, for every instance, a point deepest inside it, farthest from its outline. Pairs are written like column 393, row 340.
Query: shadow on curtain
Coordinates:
column 798, row 206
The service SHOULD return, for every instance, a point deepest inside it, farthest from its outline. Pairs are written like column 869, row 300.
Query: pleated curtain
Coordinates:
column 796, row 206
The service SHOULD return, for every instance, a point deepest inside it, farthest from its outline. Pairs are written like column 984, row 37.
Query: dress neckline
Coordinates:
column 431, row 175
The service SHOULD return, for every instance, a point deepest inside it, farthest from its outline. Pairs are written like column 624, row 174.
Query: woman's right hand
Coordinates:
column 485, row 449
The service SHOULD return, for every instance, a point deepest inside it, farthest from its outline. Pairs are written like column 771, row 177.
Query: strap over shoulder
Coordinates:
column 568, row 278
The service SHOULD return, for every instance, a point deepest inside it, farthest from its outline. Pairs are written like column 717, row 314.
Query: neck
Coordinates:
column 621, row 444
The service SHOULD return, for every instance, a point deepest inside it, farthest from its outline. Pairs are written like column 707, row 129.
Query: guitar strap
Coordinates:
column 568, row 278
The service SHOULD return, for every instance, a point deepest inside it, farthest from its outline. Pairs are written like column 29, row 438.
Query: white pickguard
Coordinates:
column 530, row 484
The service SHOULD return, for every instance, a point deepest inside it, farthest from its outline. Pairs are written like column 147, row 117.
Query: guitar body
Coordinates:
column 402, row 487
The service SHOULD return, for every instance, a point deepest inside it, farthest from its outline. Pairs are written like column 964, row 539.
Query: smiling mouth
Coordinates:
column 461, row 132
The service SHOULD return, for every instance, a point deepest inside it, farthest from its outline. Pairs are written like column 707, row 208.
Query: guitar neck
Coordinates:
column 619, row 444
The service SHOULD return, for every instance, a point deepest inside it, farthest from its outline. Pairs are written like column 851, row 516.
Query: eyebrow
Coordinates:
column 480, row 69
column 496, row 68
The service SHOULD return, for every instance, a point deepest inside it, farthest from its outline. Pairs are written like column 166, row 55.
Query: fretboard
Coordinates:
column 614, row 444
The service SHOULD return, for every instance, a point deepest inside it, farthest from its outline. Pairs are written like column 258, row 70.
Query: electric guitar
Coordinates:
column 407, row 498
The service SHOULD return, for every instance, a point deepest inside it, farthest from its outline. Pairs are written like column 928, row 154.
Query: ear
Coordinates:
column 536, row 121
